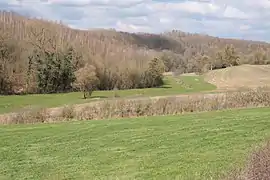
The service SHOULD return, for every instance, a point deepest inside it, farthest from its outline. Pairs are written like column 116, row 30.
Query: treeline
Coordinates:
column 39, row 56
column 48, row 68
column 203, row 53
column 203, row 62
column 46, row 57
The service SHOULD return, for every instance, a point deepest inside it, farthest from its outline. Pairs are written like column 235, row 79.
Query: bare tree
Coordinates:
column 86, row 80
column 121, row 59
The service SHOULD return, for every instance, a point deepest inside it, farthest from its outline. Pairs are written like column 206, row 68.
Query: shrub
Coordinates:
column 37, row 115
column 257, row 168
column 86, row 80
column 116, row 108
column 68, row 112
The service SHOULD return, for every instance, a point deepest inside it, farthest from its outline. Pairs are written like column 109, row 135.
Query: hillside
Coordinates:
column 244, row 76
column 30, row 47
column 204, row 41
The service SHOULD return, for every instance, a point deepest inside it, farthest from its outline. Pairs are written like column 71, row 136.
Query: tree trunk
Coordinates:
column 84, row 95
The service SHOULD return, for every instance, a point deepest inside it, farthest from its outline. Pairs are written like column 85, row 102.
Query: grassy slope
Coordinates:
column 245, row 76
column 11, row 103
column 194, row 146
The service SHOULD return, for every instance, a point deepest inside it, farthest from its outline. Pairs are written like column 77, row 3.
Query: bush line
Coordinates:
column 124, row 108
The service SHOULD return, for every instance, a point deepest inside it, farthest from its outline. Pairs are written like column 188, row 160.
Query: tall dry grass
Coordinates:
column 257, row 167
column 121, row 108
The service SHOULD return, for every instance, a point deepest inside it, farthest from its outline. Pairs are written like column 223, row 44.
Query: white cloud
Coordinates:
column 241, row 18
column 96, row 2
column 244, row 27
column 130, row 27
column 232, row 12
column 259, row 3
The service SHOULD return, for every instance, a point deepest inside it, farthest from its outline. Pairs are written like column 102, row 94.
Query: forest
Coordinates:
column 40, row 56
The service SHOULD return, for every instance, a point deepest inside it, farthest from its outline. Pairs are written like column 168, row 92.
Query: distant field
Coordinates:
column 195, row 146
column 244, row 76
column 189, row 84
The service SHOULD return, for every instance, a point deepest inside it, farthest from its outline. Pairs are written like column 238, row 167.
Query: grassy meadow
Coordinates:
column 172, row 87
column 199, row 146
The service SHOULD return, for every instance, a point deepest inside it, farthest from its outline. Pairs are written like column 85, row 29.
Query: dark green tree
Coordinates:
column 230, row 56
column 55, row 71
column 67, row 70
column 154, row 73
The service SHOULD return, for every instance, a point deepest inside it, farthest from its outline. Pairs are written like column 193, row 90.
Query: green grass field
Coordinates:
column 194, row 146
column 171, row 87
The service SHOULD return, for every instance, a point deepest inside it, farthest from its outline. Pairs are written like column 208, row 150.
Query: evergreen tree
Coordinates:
column 55, row 71
column 154, row 73
column 67, row 71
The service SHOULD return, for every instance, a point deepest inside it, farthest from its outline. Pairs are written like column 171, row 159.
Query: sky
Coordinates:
column 244, row 19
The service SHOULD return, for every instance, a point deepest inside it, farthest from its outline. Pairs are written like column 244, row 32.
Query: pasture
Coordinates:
column 199, row 146
column 172, row 86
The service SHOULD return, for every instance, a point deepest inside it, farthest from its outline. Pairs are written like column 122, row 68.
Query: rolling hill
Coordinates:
column 244, row 76
column 117, row 57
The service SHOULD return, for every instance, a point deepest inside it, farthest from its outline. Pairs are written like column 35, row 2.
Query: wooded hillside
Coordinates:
column 39, row 56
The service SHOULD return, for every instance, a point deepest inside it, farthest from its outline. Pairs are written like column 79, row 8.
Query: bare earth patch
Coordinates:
column 189, row 74
column 244, row 76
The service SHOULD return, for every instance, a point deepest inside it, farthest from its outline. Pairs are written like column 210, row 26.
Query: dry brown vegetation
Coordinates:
column 39, row 56
column 244, row 76
column 42, row 57
column 257, row 168
column 143, row 107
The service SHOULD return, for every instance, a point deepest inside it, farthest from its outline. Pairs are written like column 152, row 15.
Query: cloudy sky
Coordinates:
column 245, row 19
